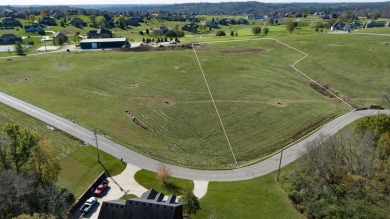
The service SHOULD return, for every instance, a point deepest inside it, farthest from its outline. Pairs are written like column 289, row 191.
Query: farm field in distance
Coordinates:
column 262, row 102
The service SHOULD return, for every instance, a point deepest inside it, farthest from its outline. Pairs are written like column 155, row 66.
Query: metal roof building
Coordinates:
column 103, row 43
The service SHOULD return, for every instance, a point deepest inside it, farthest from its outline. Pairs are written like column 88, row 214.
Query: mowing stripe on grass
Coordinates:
column 215, row 106
column 293, row 66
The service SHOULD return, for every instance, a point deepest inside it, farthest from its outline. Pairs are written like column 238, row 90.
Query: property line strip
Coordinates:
column 215, row 106
column 296, row 69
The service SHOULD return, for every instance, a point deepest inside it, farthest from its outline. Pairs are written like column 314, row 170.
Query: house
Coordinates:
column 242, row 21
column 134, row 20
column 77, row 22
column 192, row 18
column 371, row 23
column 254, row 17
column 149, row 205
column 100, row 33
column 10, row 21
column 48, row 21
column 341, row 26
column 211, row 24
column 103, row 43
column 40, row 30
column 10, row 39
column 60, row 35
column 30, row 28
column 187, row 27
column 161, row 31
column 58, row 15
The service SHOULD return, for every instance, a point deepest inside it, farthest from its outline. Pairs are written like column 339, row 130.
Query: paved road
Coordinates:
column 139, row 160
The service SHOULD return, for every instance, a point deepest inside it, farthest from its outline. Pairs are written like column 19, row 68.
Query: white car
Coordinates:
column 88, row 205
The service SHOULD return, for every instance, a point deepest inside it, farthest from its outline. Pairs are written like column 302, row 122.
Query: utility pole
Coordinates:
column 380, row 106
column 280, row 163
column 97, row 146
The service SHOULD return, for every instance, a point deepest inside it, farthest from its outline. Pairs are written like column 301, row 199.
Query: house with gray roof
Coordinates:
column 151, row 205
column 61, row 35
column 10, row 39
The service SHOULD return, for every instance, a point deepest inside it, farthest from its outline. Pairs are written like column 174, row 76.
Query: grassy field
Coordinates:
column 355, row 65
column 256, row 92
column 256, row 198
column 253, row 89
column 78, row 162
column 177, row 186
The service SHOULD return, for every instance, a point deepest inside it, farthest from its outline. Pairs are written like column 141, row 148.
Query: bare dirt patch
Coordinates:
column 136, row 120
column 241, row 51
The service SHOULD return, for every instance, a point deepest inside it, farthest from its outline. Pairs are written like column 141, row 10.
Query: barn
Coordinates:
column 104, row 43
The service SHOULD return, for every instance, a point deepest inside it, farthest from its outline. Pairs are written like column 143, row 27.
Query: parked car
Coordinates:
column 88, row 205
column 102, row 186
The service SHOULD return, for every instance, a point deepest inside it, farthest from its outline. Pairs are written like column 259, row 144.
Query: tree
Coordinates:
column 191, row 203
column 102, row 22
column 220, row 33
column 171, row 33
column 231, row 33
column 384, row 144
column 266, row 30
column 92, row 19
column 21, row 143
column 16, row 193
column 56, row 200
column 141, row 32
column 256, row 30
column 375, row 16
column 4, row 155
column 270, row 21
column 378, row 124
column 290, row 26
column 19, row 48
column 147, row 31
column 32, row 18
column 35, row 216
column 45, row 163
column 121, row 22
column 163, row 173
column 179, row 33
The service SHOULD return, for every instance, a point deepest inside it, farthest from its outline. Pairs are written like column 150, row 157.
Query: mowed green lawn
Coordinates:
column 356, row 65
column 261, row 101
column 256, row 198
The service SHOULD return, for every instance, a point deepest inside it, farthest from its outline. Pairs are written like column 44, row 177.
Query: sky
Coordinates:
column 86, row 2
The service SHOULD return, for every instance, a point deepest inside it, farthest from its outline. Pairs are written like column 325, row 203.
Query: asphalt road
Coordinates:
column 271, row 164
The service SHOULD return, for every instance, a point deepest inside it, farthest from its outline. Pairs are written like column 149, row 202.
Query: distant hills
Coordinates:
column 250, row 7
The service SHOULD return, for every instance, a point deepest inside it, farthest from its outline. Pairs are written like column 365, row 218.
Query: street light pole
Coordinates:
column 280, row 163
column 97, row 146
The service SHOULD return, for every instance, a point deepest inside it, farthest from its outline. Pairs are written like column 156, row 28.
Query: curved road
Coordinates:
column 271, row 164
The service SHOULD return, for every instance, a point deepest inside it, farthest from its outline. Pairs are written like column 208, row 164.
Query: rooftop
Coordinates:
column 100, row 40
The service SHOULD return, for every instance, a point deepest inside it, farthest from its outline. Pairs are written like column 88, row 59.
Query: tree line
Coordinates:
column 346, row 176
column 29, row 169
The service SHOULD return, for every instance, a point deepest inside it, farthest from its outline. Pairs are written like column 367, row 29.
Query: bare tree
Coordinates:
column 163, row 173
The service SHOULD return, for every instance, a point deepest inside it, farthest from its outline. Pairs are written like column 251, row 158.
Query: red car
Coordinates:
column 101, row 188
